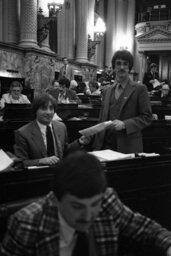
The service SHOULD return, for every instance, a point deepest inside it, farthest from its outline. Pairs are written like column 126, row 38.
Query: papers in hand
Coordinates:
column 156, row 83
column 110, row 155
column 95, row 129
column 5, row 161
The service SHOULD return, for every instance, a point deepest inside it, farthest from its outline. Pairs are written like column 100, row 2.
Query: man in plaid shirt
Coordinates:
column 80, row 202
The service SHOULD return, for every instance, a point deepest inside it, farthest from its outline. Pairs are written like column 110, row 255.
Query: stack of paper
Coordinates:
column 95, row 129
column 110, row 155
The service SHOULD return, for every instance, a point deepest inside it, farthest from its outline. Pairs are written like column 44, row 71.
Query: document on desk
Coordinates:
column 95, row 128
column 5, row 161
column 110, row 155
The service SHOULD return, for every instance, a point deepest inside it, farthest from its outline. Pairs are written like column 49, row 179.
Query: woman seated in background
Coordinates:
column 94, row 88
column 14, row 96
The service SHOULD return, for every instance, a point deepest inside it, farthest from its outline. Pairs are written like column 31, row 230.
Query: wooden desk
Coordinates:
column 144, row 184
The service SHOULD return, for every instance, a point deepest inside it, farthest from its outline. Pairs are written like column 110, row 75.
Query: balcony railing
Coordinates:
column 154, row 15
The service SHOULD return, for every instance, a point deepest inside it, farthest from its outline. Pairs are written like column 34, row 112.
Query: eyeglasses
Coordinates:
column 15, row 90
column 122, row 63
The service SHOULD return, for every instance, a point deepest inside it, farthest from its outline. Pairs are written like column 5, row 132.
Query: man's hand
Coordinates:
column 118, row 125
column 84, row 140
column 51, row 160
column 168, row 252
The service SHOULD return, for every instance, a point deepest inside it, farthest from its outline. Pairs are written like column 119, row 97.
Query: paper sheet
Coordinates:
column 95, row 129
column 5, row 160
column 110, row 155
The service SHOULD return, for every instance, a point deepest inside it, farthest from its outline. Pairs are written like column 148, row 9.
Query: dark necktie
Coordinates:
column 118, row 91
column 50, row 142
column 65, row 69
column 82, row 245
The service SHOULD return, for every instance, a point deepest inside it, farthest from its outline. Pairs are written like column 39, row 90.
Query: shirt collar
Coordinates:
column 43, row 126
column 123, row 84
column 66, row 232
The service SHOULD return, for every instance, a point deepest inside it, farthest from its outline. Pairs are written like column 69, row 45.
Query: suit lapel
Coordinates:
column 105, row 111
column 37, row 137
column 57, row 140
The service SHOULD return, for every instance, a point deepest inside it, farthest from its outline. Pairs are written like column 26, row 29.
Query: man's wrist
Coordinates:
column 80, row 142
column 123, row 126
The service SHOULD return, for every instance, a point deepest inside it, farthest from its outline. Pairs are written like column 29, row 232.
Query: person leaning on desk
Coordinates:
column 43, row 141
column 81, row 217
column 14, row 96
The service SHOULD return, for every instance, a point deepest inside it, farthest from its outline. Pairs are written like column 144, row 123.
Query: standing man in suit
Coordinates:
column 43, row 141
column 127, row 104
column 82, row 217
column 66, row 70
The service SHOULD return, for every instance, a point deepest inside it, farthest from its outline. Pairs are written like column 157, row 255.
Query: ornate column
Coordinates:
column 1, row 21
column 28, row 23
column 131, row 25
column 66, row 30
column 82, row 30
column 70, row 28
column 110, row 46
column 121, row 19
column 91, row 5
column 43, row 30
column 10, row 21
column 100, row 51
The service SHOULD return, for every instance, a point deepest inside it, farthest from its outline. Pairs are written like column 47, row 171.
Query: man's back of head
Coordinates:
column 80, row 174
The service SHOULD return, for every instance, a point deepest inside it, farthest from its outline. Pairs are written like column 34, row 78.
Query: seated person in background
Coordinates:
column 150, row 76
column 105, row 74
column 165, row 92
column 63, row 94
column 81, row 205
column 94, row 88
column 55, row 85
column 43, row 141
column 73, row 85
column 14, row 96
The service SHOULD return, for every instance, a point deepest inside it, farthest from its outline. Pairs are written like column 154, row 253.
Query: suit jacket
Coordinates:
column 69, row 73
column 29, row 145
column 136, row 113
column 34, row 230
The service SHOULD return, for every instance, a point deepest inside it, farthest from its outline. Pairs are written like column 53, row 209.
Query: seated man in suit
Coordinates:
column 82, row 217
column 43, row 141
column 14, row 96
column 63, row 94
column 66, row 70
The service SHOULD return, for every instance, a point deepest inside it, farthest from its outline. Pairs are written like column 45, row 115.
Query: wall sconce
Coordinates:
column 91, row 47
column 99, row 31
column 54, row 7
column 43, row 22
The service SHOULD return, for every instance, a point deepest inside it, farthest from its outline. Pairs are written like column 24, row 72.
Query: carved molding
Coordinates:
column 154, row 36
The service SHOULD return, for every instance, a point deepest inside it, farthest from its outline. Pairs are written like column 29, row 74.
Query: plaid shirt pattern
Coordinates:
column 34, row 230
